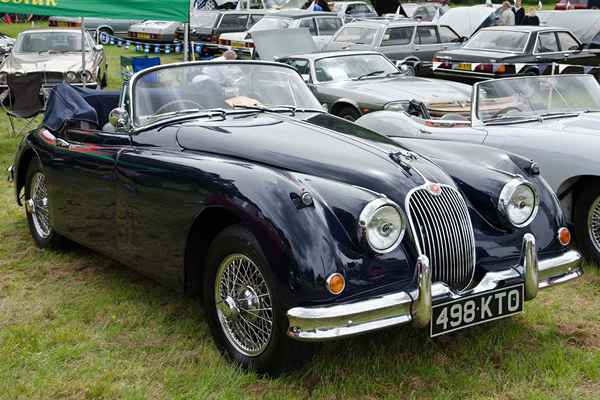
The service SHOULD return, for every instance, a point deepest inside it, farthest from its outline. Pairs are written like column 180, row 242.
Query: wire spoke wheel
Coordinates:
column 244, row 305
column 594, row 224
column 38, row 205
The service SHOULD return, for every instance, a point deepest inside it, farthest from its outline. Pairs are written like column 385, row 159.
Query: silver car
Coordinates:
column 354, row 83
column 350, row 10
column 409, row 42
column 553, row 120
column 107, row 25
column 57, row 54
column 154, row 31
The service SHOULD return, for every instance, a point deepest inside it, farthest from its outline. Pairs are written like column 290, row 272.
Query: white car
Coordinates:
column 321, row 25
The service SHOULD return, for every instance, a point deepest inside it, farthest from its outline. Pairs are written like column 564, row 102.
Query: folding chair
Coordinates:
column 127, row 67
column 24, row 98
column 140, row 64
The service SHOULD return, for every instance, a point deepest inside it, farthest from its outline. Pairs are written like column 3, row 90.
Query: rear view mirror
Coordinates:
column 119, row 119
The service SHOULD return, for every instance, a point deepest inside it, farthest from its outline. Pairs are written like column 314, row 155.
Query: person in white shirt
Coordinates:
column 507, row 16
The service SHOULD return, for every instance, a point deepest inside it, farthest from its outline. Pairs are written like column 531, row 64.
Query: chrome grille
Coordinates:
column 442, row 231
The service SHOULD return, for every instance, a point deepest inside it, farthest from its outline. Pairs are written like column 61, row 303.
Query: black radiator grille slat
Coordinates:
column 443, row 232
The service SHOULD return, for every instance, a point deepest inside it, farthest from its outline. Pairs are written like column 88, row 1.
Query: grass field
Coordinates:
column 78, row 325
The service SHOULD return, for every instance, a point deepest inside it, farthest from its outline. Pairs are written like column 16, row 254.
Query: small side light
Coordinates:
column 336, row 283
column 564, row 236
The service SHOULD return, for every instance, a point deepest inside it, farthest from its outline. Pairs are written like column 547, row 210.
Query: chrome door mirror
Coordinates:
column 119, row 119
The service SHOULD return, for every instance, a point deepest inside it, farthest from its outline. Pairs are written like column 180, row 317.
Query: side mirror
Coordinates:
column 98, row 47
column 305, row 77
column 119, row 119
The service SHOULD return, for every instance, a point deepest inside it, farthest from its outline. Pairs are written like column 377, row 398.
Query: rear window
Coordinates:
column 356, row 35
column 498, row 41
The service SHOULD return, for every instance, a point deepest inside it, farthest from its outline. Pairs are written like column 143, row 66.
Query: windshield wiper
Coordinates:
column 369, row 75
column 394, row 73
column 509, row 120
column 292, row 109
column 552, row 115
column 181, row 115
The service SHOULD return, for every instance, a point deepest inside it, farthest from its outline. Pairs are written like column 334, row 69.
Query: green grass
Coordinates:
column 78, row 325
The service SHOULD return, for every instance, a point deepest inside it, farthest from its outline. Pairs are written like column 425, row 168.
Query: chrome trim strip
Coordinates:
column 11, row 174
column 343, row 320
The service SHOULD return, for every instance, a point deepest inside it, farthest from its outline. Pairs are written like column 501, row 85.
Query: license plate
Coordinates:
column 477, row 309
column 143, row 35
column 464, row 67
column 237, row 45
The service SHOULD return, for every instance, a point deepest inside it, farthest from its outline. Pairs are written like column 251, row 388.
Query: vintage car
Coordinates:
column 354, row 83
column 584, row 24
column 552, row 119
column 154, row 31
column 207, row 26
column 227, row 179
column 6, row 45
column 56, row 53
column 505, row 51
column 468, row 20
column 321, row 25
column 421, row 11
column 576, row 4
column 107, row 25
column 409, row 42
column 350, row 10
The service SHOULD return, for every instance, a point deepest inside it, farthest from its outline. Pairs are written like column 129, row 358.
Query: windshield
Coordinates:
column 271, row 23
column 57, row 41
column 360, row 66
column 204, row 19
column 535, row 97
column 507, row 41
column 356, row 35
column 170, row 90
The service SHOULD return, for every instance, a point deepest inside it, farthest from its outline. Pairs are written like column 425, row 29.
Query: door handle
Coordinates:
column 424, row 132
column 63, row 144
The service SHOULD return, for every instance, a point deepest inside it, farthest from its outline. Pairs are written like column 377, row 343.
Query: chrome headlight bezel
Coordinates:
column 71, row 77
column 86, row 76
column 397, row 106
column 506, row 197
column 371, row 210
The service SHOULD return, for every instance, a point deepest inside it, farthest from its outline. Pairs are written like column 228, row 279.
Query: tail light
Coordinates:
column 225, row 42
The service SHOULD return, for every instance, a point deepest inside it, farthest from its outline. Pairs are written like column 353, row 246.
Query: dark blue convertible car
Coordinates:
column 227, row 179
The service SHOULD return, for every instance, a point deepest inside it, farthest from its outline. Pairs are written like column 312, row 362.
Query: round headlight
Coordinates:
column 86, row 76
column 382, row 225
column 519, row 202
column 71, row 77
column 396, row 106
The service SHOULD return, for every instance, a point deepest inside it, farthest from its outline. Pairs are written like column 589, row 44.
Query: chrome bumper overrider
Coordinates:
column 342, row 320
column 11, row 173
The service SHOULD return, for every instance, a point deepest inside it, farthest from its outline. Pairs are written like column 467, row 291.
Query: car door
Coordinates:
column 572, row 51
column 85, row 160
column 396, row 42
column 427, row 42
column 449, row 39
column 547, row 49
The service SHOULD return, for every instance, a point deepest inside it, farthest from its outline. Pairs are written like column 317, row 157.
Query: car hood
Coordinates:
column 28, row 62
column 408, row 88
column 311, row 146
column 151, row 27
column 238, row 36
column 475, row 55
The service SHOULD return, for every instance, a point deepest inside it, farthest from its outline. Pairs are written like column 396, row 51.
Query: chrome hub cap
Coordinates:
column 37, row 205
column 594, row 224
column 243, row 305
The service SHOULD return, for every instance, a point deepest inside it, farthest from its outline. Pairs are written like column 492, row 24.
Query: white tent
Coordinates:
column 585, row 24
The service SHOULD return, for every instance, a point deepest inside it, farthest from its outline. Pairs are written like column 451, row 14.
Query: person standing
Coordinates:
column 531, row 18
column 507, row 16
column 519, row 12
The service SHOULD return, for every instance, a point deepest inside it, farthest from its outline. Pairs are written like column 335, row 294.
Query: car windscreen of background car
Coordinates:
column 271, row 23
column 167, row 91
column 537, row 96
column 343, row 68
column 40, row 42
column 356, row 35
column 204, row 19
column 498, row 41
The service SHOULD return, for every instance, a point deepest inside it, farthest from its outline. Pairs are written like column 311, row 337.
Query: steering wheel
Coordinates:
column 162, row 109
column 505, row 110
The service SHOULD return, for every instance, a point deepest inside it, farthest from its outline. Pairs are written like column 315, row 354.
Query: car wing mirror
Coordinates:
column 119, row 119
column 98, row 47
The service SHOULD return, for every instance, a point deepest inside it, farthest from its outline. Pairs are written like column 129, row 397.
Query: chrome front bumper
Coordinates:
column 343, row 320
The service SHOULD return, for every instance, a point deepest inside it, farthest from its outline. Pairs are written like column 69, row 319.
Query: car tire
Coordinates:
column 348, row 113
column 37, row 209
column 587, row 223
column 104, row 81
column 249, row 323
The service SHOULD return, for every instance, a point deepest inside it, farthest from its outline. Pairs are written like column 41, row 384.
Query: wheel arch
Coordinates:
column 26, row 157
column 206, row 226
column 341, row 103
column 108, row 28
column 567, row 191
